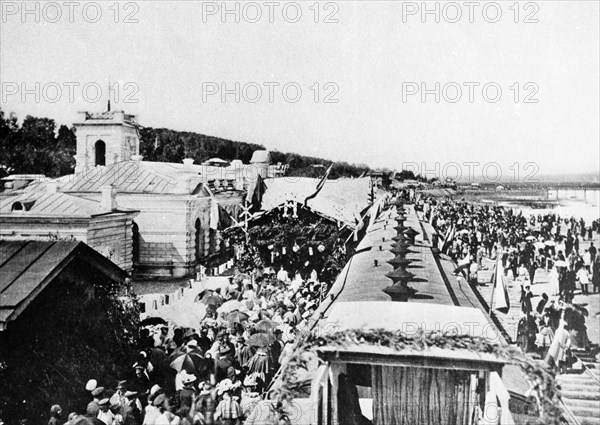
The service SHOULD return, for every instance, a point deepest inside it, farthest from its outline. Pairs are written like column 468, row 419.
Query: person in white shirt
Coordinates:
column 282, row 275
column 105, row 415
column 584, row 280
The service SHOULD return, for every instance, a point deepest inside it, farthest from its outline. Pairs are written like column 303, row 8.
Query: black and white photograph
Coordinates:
column 308, row 212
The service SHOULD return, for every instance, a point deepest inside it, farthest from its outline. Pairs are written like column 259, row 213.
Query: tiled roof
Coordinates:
column 43, row 203
column 27, row 267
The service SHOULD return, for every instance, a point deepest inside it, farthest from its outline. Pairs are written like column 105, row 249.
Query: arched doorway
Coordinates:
column 198, row 240
column 100, row 149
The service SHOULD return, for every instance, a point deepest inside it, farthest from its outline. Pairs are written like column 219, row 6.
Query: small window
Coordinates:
column 100, row 152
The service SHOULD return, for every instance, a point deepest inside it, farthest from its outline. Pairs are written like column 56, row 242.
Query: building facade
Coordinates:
column 165, row 225
column 47, row 215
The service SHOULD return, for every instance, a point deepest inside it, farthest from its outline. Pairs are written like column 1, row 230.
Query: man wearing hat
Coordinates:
column 141, row 383
column 193, row 348
column 119, row 395
column 244, row 352
column 225, row 367
column 92, row 412
column 132, row 414
column 277, row 347
column 289, row 317
column 228, row 410
column 250, row 396
column 105, row 415
column 97, row 394
column 204, row 342
column 188, row 393
column 225, row 347
column 152, row 411
column 55, row 415
column 205, row 402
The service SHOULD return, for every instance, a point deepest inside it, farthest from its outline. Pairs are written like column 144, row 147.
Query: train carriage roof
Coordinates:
column 410, row 319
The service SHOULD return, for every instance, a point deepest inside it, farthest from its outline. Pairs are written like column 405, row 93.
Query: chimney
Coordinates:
column 52, row 186
column 108, row 200
column 188, row 162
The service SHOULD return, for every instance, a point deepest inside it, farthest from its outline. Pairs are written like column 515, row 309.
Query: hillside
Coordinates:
column 166, row 145
column 36, row 147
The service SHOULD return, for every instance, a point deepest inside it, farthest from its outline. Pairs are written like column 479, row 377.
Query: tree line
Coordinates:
column 36, row 146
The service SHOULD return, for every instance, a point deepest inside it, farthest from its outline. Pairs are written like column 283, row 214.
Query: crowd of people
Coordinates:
column 470, row 233
column 217, row 373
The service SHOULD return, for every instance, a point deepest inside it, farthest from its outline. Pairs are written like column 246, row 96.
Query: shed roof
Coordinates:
column 27, row 267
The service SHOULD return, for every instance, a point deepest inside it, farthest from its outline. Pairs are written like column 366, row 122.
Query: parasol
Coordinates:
column 230, row 306
column 152, row 321
column 190, row 362
column 212, row 300
column 266, row 325
column 530, row 238
column 200, row 295
column 260, row 340
column 561, row 263
column 549, row 243
column 241, row 277
column 236, row 317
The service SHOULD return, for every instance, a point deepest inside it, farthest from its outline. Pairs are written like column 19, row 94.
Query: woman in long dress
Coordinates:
column 259, row 364
column 554, row 281
column 575, row 317
column 557, row 353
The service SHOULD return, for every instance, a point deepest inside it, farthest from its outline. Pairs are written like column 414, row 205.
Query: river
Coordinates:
column 578, row 203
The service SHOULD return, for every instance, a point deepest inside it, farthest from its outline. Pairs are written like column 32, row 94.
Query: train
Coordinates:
column 379, row 358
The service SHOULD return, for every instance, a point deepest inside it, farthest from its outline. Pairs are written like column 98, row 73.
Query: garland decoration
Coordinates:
column 539, row 375
column 299, row 242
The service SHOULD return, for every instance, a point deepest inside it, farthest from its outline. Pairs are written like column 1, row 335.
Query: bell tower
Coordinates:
column 106, row 138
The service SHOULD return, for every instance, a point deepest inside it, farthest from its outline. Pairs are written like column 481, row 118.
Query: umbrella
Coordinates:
column 241, row 277
column 190, row 362
column 212, row 300
column 462, row 232
column 550, row 243
column 266, row 325
column 561, row 263
column 260, row 340
column 152, row 321
column 236, row 317
column 230, row 306
column 200, row 295
column 530, row 238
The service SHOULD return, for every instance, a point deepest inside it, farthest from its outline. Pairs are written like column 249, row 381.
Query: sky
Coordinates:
column 375, row 82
